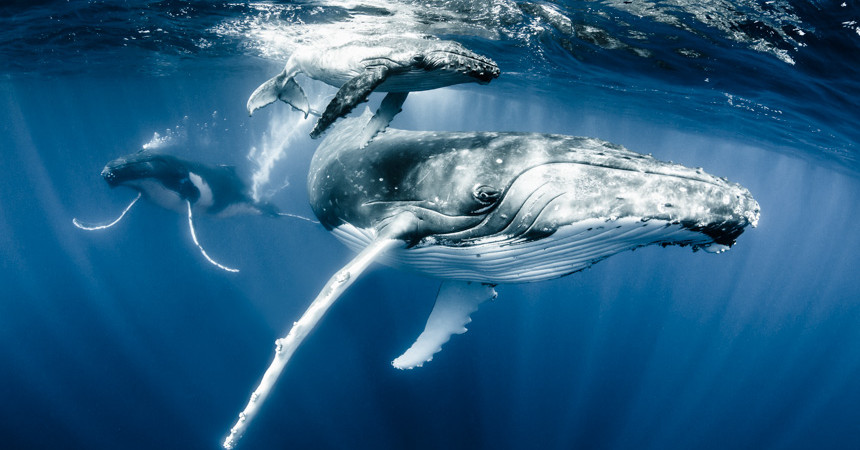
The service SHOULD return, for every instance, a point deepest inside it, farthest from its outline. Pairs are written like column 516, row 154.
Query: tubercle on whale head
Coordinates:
column 110, row 177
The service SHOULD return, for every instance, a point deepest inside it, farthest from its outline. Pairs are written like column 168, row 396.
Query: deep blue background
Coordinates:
column 127, row 338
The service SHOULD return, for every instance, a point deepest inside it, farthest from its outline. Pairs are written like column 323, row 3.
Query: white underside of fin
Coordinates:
column 296, row 216
column 194, row 238
column 390, row 107
column 286, row 346
column 715, row 248
column 102, row 227
column 206, row 198
column 456, row 301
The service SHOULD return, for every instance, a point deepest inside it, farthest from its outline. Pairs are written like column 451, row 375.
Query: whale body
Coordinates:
column 477, row 209
column 518, row 207
column 397, row 65
column 170, row 182
column 182, row 186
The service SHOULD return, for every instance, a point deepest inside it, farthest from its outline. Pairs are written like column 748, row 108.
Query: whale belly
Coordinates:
column 160, row 195
column 502, row 259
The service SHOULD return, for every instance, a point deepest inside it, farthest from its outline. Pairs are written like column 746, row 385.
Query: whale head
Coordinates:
column 555, row 204
column 166, row 180
column 458, row 59
column 133, row 168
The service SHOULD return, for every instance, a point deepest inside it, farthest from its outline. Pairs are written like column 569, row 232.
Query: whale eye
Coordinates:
column 486, row 195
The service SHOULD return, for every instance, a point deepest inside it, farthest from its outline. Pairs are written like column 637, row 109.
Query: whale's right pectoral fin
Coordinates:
column 87, row 227
column 390, row 106
column 352, row 93
column 197, row 243
column 281, row 87
column 456, row 301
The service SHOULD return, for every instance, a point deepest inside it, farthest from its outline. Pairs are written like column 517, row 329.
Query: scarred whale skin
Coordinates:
column 518, row 207
column 477, row 209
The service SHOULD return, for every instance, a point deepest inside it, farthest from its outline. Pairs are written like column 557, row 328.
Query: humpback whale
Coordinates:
column 182, row 186
column 397, row 65
column 477, row 209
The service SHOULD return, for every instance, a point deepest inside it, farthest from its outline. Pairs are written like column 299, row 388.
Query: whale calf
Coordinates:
column 397, row 65
column 182, row 186
column 477, row 209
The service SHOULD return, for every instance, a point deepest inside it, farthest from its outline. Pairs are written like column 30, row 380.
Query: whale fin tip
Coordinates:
column 456, row 301
column 390, row 106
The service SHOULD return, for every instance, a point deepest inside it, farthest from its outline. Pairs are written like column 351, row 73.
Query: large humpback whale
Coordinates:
column 182, row 186
column 479, row 209
column 397, row 65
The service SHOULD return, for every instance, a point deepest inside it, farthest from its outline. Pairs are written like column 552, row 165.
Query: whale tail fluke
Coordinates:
column 281, row 87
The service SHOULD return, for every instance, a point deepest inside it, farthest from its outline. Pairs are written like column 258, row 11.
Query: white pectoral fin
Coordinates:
column 197, row 243
column 87, row 227
column 456, row 301
column 390, row 106
column 281, row 87
column 388, row 238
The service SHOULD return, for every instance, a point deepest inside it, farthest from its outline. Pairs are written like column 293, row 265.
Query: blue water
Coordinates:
column 127, row 338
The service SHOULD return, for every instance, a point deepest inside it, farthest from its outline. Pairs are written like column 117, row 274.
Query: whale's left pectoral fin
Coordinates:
column 456, row 301
column 197, row 243
column 352, row 93
column 390, row 106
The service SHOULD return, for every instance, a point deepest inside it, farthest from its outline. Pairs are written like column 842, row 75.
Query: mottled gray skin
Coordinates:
column 357, row 68
column 169, row 182
column 466, row 187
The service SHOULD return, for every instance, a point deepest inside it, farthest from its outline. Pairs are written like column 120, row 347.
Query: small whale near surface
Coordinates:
column 394, row 64
column 477, row 209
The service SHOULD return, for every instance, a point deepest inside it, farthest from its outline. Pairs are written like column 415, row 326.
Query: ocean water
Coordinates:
column 128, row 338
